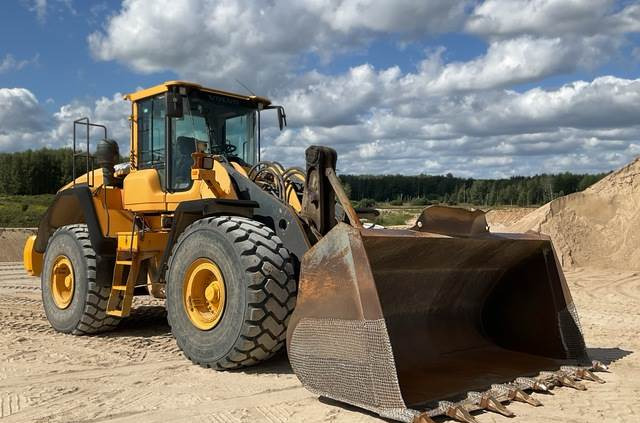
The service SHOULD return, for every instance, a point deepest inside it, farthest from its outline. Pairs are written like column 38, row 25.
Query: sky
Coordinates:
column 489, row 89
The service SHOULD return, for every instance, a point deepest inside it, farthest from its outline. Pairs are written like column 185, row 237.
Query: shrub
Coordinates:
column 366, row 203
column 394, row 218
column 419, row 201
column 23, row 211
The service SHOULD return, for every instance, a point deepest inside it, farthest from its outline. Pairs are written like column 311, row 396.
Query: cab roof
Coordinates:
column 164, row 87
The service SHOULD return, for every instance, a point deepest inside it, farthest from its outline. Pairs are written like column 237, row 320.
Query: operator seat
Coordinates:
column 183, row 162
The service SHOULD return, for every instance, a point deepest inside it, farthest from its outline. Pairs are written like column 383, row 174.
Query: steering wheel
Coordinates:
column 226, row 148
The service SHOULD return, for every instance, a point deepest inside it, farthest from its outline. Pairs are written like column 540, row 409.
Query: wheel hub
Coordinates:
column 204, row 294
column 62, row 282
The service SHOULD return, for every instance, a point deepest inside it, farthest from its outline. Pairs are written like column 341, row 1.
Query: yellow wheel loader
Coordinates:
column 442, row 319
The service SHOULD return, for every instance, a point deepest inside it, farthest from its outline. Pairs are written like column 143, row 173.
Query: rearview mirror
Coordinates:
column 174, row 105
column 282, row 117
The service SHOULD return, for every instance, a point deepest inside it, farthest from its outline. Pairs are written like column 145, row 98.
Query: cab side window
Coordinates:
column 186, row 134
column 151, row 135
column 240, row 132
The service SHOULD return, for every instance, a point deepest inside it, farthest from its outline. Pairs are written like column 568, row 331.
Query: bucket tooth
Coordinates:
column 513, row 393
column 423, row 418
column 488, row 402
column 582, row 374
column 457, row 412
column 516, row 394
column 598, row 366
column 461, row 414
column 589, row 375
column 566, row 380
column 533, row 384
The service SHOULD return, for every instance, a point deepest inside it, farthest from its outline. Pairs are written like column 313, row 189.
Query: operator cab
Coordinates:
column 176, row 119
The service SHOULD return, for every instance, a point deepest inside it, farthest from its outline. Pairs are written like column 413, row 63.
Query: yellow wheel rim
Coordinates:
column 62, row 282
column 204, row 293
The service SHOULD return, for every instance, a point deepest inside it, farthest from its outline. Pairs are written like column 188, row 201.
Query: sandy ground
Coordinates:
column 138, row 374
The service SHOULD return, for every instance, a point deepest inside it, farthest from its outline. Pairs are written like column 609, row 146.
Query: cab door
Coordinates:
column 145, row 187
column 185, row 133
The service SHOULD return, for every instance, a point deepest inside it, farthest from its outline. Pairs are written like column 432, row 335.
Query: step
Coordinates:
column 116, row 313
column 119, row 287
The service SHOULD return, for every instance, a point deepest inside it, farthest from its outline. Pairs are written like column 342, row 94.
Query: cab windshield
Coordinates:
column 211, row 124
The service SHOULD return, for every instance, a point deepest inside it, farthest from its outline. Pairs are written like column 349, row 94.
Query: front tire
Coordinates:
column 74, row 302
column 231, row 289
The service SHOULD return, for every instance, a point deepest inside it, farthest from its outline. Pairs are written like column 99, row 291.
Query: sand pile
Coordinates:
column 595, row 227
column 12, row 243
column 500, row 219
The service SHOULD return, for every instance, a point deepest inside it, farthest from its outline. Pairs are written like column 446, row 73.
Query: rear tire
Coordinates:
column 259, row 292
column 84, row 311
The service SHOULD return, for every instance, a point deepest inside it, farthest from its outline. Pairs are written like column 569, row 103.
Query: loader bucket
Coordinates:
column 395, row 321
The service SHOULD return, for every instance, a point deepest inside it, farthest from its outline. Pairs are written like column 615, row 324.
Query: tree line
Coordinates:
column 44, row 171
column 35, row 171
column 431, row 189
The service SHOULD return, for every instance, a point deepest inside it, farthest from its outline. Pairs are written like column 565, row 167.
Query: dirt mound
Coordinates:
column 595, row 227
column 499, row 219
column 12, row 243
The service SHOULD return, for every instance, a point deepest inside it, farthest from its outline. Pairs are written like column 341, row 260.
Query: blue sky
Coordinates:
column 484, row 88
column 64, row 69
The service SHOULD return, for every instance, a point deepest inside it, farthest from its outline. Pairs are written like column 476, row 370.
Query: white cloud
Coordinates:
column 508, row 18
column 20, row 112
column 463, row 117
column 325, row 100
column 112, row 112
column 606, row 102
column 511, row 61
column 262, row 44
column 390, row 15
column 24, row 124
column 39, row 7
column 488, row 133
column 9, row 63
column 582, row 126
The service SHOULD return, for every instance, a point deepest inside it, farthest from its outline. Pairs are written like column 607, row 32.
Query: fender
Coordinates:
column 74, row 205
column 188, row 212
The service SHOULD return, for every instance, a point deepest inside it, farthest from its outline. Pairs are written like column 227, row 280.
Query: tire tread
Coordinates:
column 271, row 289
column 94, row 318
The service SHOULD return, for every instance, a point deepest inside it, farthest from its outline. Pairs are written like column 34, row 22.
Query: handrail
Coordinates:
column 89, row 162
